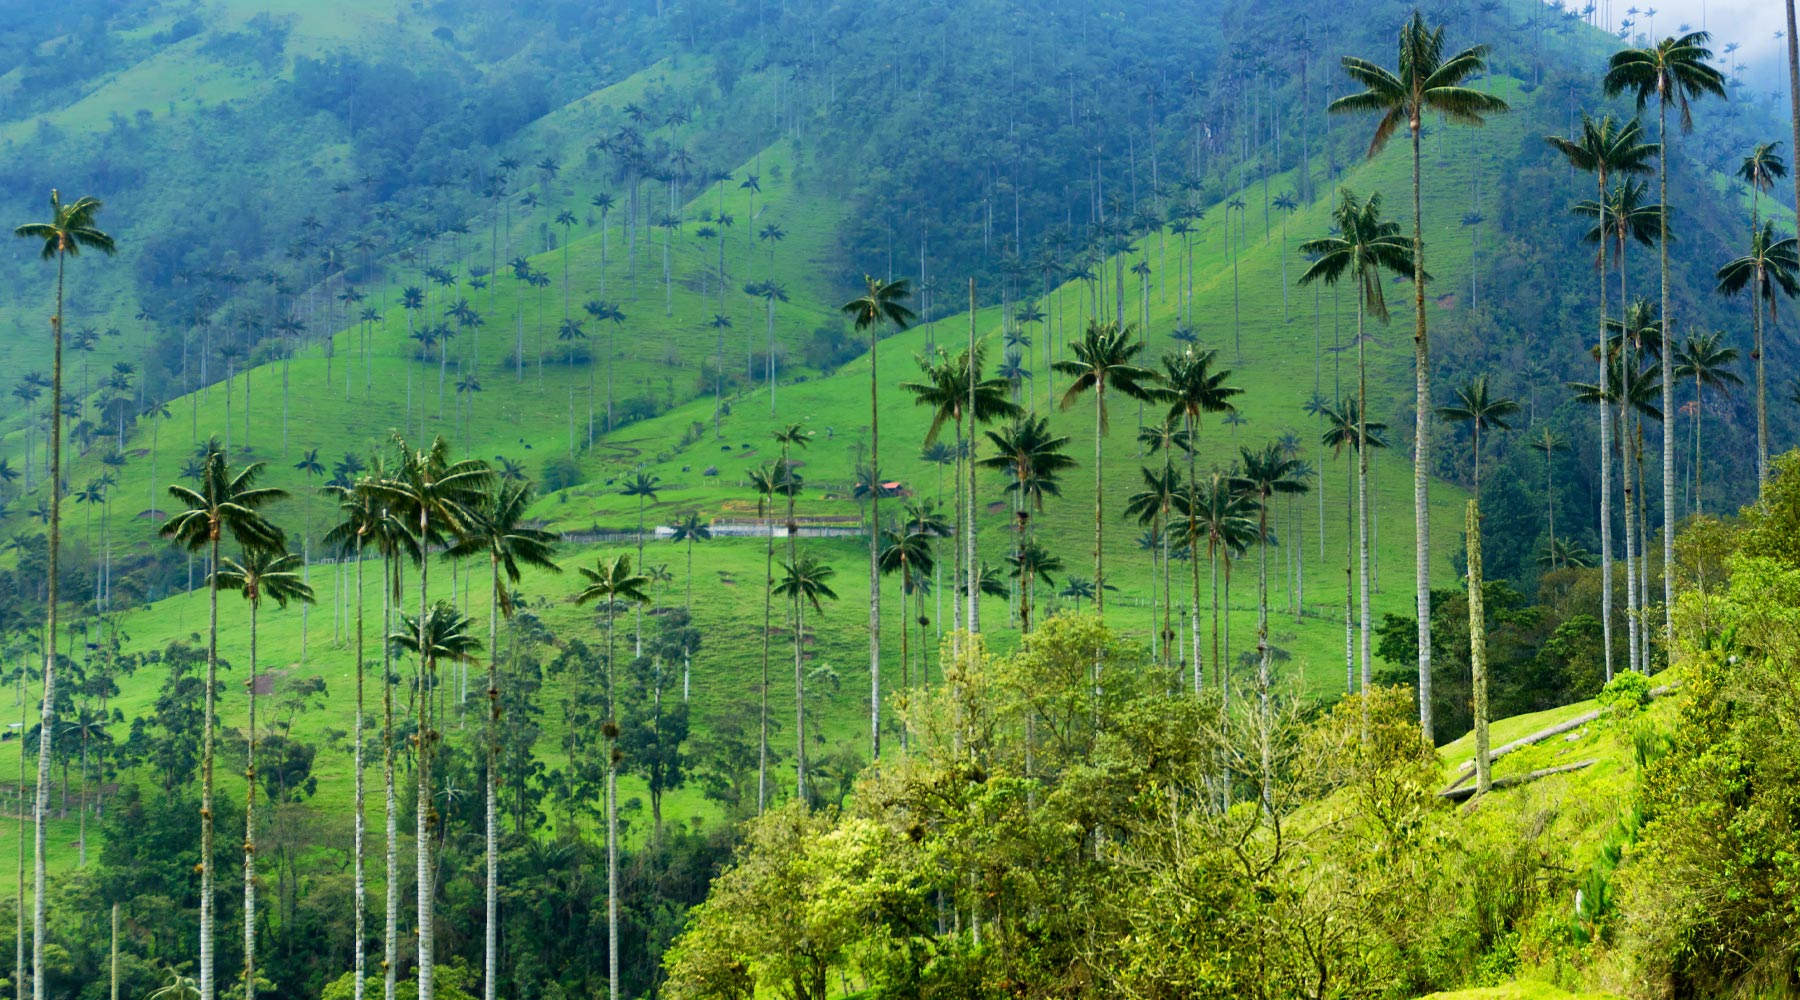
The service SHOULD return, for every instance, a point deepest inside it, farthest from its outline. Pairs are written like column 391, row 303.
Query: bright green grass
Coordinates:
column 534, row 416
column 1522, row 990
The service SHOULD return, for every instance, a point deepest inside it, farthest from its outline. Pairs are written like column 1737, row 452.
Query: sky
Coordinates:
column 1750, row 23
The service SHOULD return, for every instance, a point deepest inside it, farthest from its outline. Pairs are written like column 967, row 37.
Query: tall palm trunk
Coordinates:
column 762, row 759
column 1350, row 577
column 19, row 984
column 1193, row 541
column 206, row 775
column 800, row 702
column 390, row 942
column 1668, row 393
column 426, row 892
column 1793, row 47
column 1699, row 416
column 1606, row 542
column 47, row 718
column 1171, row 644
column 612, row 823
column 1478, row 649
column 1762, row 387
column 1212, row 556
column 360, row 864
column 956, row 545
column 874, row 552
column 1421, row 454
column 1362, row 514
column 1631, row 591
column 490, row 930
column 905, row 641
column 250, row 825
column 1099, row 502
column 1262, row 601
column 971, row 563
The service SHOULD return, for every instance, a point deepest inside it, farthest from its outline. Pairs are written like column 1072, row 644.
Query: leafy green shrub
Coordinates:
column 561, row 473
column 1625, row 694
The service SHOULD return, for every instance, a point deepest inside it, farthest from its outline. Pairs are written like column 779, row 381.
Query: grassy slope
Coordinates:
column 170, row 82
column 530, row 419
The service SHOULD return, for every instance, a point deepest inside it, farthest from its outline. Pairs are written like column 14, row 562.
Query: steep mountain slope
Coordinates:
column 341, row 386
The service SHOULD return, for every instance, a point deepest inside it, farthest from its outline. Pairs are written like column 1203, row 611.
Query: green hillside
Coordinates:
column 590, row 244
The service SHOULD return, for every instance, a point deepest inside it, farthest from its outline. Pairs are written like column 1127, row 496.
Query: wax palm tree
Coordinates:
column 1607, row 148
column 612, row 583
column 365, row 523
column 1104, row 359
column 1077, row 589
column 1033, row 455
column 946, row 388
column 907, row 551
column 641, row 485
column 1638, row 327
column 258, row 574
column 1547, row 443
column 882, row 302
column 1772, row 265
column 499, row 531
column 1564, row 554
column 1151, row 506
column 1192, row 388
column 1364, row 246
column 1621, row 217
column 1425, row 81
column 1793, row 52
column 1346, row 427
column 1263, row 475
column 806, row 580
column 1760, row 170
column 1705, row 359
column 1226, row 522
column 438, row 499
column 1630, row 391
column 441, row 635
column 70, row 230
column 1034, row 458
column 1476, row 406
column 1031, row 564
column 1674, row 71
column 769, row 480
column 227, row 503
column 690, row 529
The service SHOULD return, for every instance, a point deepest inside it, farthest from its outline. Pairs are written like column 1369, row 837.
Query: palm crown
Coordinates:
column 612, row 581
column 1606, row 146
column 1771, row 264
column 882, row 302
column 1424, row 81
column 70, row 230
column 498, row 531
column 1674, row 71
column 1104, row 360
column 265, row 573
column 227, row 502
column 1364, row 246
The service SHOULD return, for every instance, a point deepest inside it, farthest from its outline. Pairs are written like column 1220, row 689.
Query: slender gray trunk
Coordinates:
column 250, row 824
column 47, row 718
column 1478, row 650
column 360, row 862
column 1421, row 453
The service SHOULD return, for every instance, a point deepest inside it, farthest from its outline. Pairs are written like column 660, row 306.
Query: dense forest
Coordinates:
column 967, row 499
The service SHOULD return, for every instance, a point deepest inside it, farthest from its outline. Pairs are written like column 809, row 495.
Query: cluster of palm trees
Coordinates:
column 1638, row 356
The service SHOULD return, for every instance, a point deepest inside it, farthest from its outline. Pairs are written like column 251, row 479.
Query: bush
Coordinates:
column 1625, row 694
column 561, row 473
